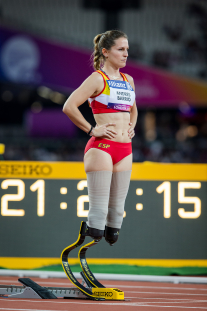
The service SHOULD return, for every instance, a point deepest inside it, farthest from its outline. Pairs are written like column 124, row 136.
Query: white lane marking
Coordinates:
column 171, row 300
column 168, row 299
column 112, row 304
column 205, row 308
column 28, row 309
column 190, row 301
column 158, row 293
column 164, row 293
column 130, row 304
column 180, row 288
column 114, row 285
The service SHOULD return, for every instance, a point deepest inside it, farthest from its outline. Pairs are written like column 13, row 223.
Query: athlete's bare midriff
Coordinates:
column 121, row 119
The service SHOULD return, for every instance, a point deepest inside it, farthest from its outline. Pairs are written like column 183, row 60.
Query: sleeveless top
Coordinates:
column 116, row 96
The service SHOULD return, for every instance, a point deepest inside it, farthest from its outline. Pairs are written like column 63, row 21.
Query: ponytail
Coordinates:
column 97, row 54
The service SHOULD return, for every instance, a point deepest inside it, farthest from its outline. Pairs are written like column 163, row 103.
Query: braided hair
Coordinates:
column 105, row 40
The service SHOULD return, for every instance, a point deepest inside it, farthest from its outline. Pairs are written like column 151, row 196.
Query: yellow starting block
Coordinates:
column 108, row 293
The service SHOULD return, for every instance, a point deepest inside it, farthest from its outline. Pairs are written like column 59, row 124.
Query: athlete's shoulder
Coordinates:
column 96, row 76
column 130, row 79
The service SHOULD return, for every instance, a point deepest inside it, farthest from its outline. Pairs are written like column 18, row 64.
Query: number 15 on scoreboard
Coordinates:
column 165, row 187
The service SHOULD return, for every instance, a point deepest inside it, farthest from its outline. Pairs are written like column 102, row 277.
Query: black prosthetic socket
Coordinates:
column 96, row 234
column 111, row 235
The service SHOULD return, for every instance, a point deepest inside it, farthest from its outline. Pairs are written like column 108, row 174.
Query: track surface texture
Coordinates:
column 145, row 296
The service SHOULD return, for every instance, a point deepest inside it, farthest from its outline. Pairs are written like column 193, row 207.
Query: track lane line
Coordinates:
column 112, row 285
column 28, row 309
column 158, row 293
column 168, row 300
column 196, row 301
column 182, row 307
column 122, row 286
column 114, row 304
column 130, row 304
column 180, row 288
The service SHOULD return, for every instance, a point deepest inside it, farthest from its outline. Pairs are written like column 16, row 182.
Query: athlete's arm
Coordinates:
column 133, row 112
column 78, row 97
column 91, row 86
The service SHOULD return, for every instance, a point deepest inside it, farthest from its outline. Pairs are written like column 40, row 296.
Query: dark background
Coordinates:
column 170, row 35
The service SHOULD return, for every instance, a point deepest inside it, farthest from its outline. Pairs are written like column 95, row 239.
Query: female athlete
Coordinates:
column 108, row 153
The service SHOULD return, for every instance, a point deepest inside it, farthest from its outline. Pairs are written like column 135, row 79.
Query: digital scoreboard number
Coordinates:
column 43, row 203
column 39, row 187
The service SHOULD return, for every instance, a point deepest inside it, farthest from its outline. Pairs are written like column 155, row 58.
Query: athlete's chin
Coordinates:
column 122, row 64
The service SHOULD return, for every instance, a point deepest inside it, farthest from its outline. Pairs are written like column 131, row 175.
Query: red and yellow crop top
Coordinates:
column 116, row 96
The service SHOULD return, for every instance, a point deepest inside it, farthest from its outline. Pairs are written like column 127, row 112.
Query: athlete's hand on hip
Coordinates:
column 104, row 131
column 131, row 132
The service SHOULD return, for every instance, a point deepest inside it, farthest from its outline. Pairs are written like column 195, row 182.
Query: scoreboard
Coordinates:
column 43, row 204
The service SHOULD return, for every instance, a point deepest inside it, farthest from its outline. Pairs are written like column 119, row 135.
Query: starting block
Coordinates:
column 108, row 293
column 32, row 290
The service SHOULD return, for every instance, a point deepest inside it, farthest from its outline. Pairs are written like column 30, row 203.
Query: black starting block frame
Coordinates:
column 32, row 290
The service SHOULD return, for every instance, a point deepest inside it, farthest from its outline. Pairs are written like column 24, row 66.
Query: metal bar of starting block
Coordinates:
column 13, row 291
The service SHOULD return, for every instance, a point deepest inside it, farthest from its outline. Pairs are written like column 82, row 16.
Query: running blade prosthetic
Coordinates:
column 96, row 291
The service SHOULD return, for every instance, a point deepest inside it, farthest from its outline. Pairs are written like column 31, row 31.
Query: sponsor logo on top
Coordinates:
column 129, row 86
column 119, row 84
column 119, row 106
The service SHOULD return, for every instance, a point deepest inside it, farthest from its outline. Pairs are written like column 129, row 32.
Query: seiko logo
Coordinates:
column 103, row 294
column 17, row 169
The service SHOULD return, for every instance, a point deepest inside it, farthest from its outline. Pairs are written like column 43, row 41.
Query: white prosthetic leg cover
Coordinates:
column 119, row 189
column 99, row 183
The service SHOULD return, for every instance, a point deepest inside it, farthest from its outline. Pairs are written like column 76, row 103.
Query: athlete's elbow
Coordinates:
column 66, row 109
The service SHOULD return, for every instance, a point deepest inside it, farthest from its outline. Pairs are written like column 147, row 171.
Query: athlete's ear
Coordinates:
column 105, row 52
